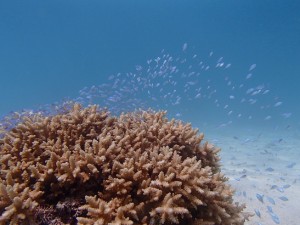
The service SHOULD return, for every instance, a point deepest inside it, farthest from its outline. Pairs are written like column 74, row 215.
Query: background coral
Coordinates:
column 86, row 167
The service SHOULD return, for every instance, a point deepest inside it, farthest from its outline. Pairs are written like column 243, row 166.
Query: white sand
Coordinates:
column 245, row 157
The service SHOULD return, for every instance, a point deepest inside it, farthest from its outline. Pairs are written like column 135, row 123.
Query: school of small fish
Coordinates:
column 174, row 83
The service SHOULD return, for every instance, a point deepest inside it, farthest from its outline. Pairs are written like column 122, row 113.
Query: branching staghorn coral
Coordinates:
column 83, row 166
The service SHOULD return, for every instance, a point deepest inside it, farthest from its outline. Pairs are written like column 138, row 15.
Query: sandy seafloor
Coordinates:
column 265, row 163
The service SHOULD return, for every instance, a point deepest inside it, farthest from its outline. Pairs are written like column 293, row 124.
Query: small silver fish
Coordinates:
column 260, row 198
column 274, row 186
column 248, row 76
column 243, row 176
column 184, row 47
column 280, row 189
column 266, row 92
column 274, row 217
column 277, row 104
column 268, row 117
column 286, row 115
column 270, row 210
column 270, row 169
column 252, row 67
column 283, row 198
column 227, row 66
column 257, row 212
column 271, row 200
column 291, row 165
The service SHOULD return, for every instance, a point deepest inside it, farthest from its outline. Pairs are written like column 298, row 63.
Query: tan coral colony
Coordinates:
column 84, row 166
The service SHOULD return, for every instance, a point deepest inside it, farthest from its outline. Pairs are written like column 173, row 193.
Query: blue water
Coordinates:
column 113, row 53
column 52, row 49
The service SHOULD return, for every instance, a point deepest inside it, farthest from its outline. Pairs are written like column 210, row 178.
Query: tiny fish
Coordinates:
column 270, row 210
column 238, row 193
column 274, row 186
column 184, row 47
column 286, row 186
column 257, row 212
column 280, row 189
column 291, row 165
column 178, row 115
column 249, row 76
column 271, row 200
column 255, row 92
column 268, row 117
column 286, row 115
column 252, row 101
column 138, row 67
column 260, row 198
column 277, row 104
column 227, row 66
column 283, row 198
column 265, row 92
column 198, row 95
column 252, row 67
column 275, row 218
column 269, row 169
column 243, row 176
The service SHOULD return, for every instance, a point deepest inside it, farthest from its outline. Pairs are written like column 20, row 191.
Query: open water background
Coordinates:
column 50, row 50
column 230, row 67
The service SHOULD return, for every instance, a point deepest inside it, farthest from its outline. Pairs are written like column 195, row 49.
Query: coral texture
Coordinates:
column 87, row 167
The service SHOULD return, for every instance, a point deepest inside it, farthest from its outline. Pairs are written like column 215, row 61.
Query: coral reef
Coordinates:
column 87, row 167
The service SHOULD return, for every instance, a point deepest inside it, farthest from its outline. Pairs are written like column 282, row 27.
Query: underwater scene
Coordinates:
column 150, row 112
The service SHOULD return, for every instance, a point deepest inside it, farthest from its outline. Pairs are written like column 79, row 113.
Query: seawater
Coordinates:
column 231, row 68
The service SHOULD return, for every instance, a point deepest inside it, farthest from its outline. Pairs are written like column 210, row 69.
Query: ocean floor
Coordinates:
column 264, row 169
